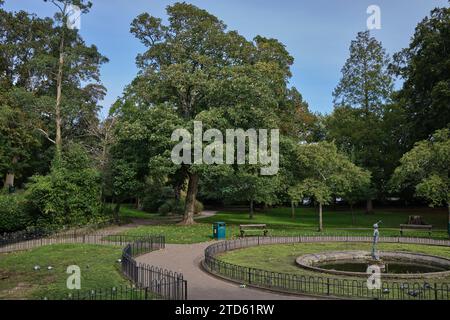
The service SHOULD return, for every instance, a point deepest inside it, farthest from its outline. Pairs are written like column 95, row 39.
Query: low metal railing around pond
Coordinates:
column 319, row 285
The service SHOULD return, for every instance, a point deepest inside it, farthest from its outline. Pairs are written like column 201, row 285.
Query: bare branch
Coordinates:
column 46, row 135
column 58, row 6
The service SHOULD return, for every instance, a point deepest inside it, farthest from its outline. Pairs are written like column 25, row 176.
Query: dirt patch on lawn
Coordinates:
column 19, row 285
column 12, row 285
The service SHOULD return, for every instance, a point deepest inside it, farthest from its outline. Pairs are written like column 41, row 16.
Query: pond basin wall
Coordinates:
column 313, row 261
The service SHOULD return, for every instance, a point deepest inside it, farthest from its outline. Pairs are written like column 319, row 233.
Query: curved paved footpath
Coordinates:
column 186, row 258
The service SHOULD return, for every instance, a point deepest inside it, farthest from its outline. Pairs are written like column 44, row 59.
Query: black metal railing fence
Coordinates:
column 164, row 283
column 320, row 285
column 150, row 282
column 113, row 293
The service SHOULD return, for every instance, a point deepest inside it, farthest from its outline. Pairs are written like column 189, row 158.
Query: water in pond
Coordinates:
column 391, row 267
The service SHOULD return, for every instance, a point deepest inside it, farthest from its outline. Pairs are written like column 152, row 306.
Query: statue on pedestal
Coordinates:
column 376, row 236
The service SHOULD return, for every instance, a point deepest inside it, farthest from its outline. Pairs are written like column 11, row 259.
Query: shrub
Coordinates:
column 198, row 207
column 155, row 196
column 69, row 195
column 163, row 200
column 13, row 213
column 177, row 207
column 164, row 209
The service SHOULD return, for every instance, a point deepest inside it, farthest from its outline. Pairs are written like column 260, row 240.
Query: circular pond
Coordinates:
column 391, row 264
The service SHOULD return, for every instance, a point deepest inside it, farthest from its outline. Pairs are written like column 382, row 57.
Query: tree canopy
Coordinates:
column 424, row 67
column 198, row 70
column 426, row 168
column 328, row 174
column 357, row 124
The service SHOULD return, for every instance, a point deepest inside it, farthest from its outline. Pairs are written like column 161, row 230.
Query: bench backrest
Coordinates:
column 416, row 220
column 416, row 226
column 252, row 226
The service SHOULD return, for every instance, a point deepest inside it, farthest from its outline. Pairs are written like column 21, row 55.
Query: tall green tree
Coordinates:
column 62, row 17
column 141, row 150
column 366, row 82
column 17, row 143
column 29, row 64
column 425, row 68
column 360, row 98
column 197, row 69
column 22, row 38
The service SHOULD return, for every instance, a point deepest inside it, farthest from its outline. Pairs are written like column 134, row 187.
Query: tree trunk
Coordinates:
column 116, row 212
column 448, row 226
column 191, row 195
column 320, row 218
column 292, row 210
column 177, row 193
column 138, row 203
column 9, row 179
column 369, row 206
column 448, row 207
column 58, row 140
column 251, row 209
column 353, row 214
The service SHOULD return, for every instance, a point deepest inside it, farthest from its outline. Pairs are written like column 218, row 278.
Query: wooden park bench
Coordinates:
column 416, row 223
column 427, row 227
column 243, row 228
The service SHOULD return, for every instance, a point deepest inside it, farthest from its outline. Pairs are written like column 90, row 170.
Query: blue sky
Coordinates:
column 317, row 33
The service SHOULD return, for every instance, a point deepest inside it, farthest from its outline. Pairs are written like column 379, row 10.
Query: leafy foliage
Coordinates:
column 13, row 213
column 426, row 167
column 29, row 58
column 195, row 69
column 361, row 124
column 365, row 82
column 69, row 195
column 424, row 66
column 329, row 173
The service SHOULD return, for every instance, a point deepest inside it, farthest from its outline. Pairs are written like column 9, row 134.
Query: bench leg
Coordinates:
column 242, row 233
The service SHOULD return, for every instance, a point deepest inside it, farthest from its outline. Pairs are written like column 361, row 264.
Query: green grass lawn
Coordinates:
column 177, row 234
column 128, row 211
column 281, row 258
column 307, row 218
column 98, row 264
column 280, row 223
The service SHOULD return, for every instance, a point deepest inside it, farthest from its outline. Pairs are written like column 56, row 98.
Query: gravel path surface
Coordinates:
column 206, row 214
column 186, row 258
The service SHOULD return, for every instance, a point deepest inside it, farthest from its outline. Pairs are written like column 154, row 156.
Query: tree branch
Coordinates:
column 46, row 135
column 59, row 7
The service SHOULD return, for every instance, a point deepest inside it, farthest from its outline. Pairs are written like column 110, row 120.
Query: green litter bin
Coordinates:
column 219, row 230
